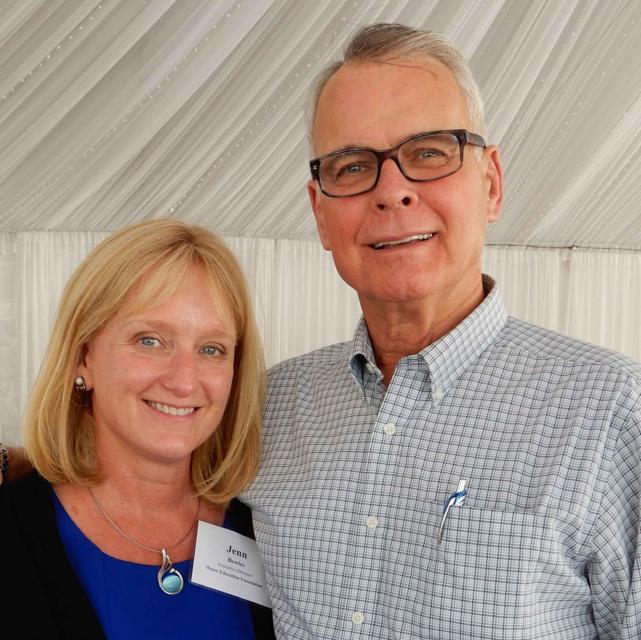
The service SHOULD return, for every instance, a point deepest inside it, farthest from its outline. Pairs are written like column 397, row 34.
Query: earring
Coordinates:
column 79, row 384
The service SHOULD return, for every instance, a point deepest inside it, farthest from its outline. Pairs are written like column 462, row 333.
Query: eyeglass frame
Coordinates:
column 463, row 136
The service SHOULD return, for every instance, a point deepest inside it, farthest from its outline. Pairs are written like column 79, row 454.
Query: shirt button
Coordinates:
column 371, row 522
column 358, row 617
column 438, row 394
column 389, row 428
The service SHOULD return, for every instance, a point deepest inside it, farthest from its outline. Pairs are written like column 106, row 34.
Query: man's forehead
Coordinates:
column 379, row 103
column 425, row 64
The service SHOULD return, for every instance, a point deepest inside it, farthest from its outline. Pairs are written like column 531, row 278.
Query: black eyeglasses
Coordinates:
column 421, row 158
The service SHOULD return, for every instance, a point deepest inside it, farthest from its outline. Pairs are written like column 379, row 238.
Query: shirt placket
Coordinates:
column 372, row 510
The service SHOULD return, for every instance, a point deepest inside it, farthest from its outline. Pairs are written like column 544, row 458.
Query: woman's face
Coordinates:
column 160, row 377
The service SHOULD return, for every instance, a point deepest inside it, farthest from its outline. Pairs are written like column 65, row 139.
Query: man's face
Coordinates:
column 377, row 105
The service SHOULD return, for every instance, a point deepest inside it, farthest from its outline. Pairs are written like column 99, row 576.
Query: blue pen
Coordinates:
column 455, row 500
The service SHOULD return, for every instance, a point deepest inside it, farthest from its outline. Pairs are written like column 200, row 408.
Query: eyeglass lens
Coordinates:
column 424, row 158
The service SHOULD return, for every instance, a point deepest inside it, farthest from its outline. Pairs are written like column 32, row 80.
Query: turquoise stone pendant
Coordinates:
column 169, row 580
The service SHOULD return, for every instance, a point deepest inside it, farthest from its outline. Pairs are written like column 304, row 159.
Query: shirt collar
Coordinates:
column 448, row 357
column 361, row 355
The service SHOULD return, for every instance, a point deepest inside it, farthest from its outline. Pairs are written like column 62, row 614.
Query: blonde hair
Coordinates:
column 150, row 259
column 386, row 42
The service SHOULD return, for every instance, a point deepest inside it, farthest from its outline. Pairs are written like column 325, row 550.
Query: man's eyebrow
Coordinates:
column 363, row 146
column 349, row 147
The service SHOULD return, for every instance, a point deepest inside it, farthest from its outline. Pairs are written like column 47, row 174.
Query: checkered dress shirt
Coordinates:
column 347, row 506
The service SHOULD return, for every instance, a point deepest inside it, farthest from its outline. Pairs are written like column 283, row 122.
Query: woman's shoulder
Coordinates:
column 31, row 486
column 240, row 516
column 27, row 502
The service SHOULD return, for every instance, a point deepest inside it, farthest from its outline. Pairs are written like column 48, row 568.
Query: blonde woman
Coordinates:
column 144, row 419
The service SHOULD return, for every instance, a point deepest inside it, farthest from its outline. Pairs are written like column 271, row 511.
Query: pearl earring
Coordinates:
column 79, row 384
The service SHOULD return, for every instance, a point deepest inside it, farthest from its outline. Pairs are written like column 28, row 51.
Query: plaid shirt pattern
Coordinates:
column 349, row 499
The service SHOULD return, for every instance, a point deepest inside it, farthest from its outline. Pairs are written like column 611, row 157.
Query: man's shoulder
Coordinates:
column 323, row 358
column 546, row 344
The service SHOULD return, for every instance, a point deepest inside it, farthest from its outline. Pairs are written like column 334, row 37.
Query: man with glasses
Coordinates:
column 450, row 472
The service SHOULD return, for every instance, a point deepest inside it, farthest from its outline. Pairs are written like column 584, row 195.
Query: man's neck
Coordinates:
column 400, row 329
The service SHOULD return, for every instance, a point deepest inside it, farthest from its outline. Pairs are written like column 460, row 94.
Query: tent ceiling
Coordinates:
column 114, row 111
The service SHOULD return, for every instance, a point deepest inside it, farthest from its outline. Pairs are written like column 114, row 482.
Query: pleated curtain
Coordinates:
column 302, row 304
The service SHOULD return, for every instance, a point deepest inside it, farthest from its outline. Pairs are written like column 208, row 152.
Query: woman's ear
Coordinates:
column 84, row 369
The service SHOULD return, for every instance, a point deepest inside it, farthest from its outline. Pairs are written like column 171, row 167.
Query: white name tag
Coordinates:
column 228, row 561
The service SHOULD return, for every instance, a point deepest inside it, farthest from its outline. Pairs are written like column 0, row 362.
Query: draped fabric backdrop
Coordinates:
column 302, row 304
column 117, row 110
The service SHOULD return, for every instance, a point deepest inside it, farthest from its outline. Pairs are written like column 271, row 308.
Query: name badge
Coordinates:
column 229, row 562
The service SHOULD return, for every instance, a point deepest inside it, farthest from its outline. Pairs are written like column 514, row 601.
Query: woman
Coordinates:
column 144, row 419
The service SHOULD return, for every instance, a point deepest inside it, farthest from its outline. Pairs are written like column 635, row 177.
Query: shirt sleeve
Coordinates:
column 614, row 571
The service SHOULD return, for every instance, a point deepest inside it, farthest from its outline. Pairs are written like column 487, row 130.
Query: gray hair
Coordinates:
column 384, row 42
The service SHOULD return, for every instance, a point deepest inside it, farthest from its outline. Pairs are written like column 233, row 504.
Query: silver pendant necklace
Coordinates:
column 170, row 580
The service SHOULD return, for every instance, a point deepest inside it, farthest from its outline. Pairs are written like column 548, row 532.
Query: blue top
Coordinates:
column 129, row 603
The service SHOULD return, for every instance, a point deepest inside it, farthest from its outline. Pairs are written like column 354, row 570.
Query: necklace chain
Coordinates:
column 139, row 544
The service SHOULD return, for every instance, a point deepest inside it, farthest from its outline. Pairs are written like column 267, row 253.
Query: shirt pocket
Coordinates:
column 495, row 574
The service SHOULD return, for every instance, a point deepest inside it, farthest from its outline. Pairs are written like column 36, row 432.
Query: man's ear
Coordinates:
column 314, row 198
column 494, row 180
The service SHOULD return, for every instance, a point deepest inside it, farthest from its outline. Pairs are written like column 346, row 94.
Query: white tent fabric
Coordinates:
column 113, row 111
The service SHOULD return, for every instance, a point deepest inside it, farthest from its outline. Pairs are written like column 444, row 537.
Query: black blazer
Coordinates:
column 37, row 577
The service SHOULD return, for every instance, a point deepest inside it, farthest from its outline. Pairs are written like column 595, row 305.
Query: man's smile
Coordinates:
column 418, row 237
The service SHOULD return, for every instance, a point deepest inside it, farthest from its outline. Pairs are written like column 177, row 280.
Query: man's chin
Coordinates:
column 408, row 292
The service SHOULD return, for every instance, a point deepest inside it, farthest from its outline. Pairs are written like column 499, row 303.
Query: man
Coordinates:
column 451, row 472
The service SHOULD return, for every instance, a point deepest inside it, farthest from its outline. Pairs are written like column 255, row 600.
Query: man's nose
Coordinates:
column 394, row 190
